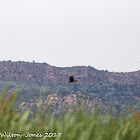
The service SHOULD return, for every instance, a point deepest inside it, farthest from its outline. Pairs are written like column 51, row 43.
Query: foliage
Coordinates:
column 118, row 98
column 74, row 125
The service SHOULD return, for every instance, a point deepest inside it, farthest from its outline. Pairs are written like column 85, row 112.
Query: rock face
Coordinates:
column 30, row 72
column 46, row 74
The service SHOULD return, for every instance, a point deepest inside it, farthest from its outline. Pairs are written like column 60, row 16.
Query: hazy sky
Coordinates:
column 104, row 34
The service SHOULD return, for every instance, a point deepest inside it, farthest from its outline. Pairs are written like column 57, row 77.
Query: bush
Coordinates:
column 70, row 125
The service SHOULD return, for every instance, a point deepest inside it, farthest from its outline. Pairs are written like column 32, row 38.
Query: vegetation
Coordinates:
column 40, row 83
column 109, row 98
column 72, row 125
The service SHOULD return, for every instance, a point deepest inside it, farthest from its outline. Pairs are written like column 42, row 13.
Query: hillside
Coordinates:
column 39, row 84
column 46, row 74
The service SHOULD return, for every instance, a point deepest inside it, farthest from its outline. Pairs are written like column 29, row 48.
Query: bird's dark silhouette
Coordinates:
column 72, row 79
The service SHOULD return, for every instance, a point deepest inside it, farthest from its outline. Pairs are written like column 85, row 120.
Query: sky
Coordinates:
column 104, row 34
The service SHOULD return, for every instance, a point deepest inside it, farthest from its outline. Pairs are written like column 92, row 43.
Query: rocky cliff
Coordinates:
column 39, row 84
column 47, row 74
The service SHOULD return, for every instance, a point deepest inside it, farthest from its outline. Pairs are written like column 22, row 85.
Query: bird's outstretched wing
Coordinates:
column 72, row 79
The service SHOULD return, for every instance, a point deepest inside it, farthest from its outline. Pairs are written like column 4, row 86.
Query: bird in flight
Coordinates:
column 72, row 79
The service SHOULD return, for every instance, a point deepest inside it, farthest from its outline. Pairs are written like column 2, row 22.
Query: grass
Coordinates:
column 68, row 126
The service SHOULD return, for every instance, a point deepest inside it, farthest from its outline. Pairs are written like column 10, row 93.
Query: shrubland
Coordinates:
column 69, row 125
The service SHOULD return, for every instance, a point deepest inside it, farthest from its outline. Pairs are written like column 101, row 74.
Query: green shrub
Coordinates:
column 72, row 125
